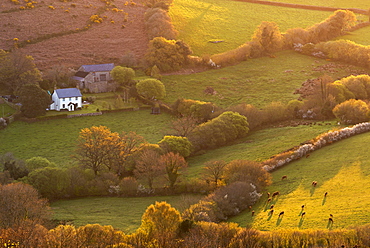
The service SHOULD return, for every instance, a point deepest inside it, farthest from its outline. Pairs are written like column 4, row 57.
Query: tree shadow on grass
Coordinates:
column 301, row 222
column 323, row 201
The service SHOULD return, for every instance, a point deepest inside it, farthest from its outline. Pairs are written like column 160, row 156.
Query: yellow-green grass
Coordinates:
column 122, row 213
column 6, row 110
column 361, row 4
column 341, row 169
column 255, row 81
column 360, row 36
column 259, row 145
column 232, row 22
column 56, row 139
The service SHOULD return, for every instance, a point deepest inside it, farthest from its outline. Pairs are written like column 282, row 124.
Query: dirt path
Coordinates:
column 302, row 6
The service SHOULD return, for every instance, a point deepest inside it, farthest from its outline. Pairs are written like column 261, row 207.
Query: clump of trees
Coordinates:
column 158, row 23
column 202, row 111
column 167, row 55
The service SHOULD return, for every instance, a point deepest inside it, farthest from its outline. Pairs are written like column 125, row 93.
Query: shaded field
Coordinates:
column 232, row 22
column 122, row 213
column 255, row 81
column 56, row 139
column 341, row 169
column 260, row 145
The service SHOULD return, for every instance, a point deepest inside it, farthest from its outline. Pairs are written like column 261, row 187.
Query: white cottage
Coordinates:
column 69, row 99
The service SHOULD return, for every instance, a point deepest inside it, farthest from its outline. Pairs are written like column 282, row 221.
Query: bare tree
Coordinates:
column 213, row 171
column 184, row 125
column 148, row 167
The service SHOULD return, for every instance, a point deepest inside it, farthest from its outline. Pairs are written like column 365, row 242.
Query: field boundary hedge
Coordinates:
column 302, row 6
column 320, row 141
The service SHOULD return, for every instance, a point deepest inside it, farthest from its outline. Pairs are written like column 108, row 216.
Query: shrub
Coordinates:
column 352, row 112
column 196, row 109
column 158, row 24
column 176, row 144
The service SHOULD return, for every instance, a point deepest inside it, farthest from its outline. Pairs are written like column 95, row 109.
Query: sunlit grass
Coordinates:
column 341, row 169
column 360, row 36
column 232, row 22
column 255, row 81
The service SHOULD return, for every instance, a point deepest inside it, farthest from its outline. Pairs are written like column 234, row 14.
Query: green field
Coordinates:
column 256, row 81
column 122, row 213
column 5, row 110
column 360, row 36
column 56, row 139
column 233, row 22
column 341, row 169
column 361, row 4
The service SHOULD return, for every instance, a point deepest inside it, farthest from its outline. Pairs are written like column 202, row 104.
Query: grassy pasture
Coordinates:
column 5, row 110
column 56, row 139
column 122, row 213
column 259, row 145
column 360, row 36
column 330, row 3
column 341, row 169
column 256, row 81
column 233, row 22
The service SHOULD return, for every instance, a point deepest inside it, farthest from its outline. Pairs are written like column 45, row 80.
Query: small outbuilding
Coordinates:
column 66, row 99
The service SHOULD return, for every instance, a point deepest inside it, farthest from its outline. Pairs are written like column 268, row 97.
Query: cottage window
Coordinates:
column 70, row 99
column 103, row 77
column 64, row 99
column 76, row 98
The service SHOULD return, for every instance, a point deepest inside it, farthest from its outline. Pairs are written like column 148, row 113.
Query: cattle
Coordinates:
column 314, row 183
column 276, row 193
column 284, row 177
column 281, row 214
column 272, row 206
column 326, row 193
column 303, row 214
column 253, row 213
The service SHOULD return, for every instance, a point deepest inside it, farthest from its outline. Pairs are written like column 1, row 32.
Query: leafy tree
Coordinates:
column 20, row 203
column 167, row 55
column 34, row 100
column 176, row 144
column 173, row 163
column 60, row 76
column 15, row 167
column 123, row 75
column 95, row 235
column 203, row 111
column 37, row 163
column 62, row 236
column 158, row 23
column 98, row 148
column 352, row 111
column 268, row 38
column 51, row 182
column 148, row 167
column 151, row 89
column 213, row 171
column 16, row 70
column 161, row 222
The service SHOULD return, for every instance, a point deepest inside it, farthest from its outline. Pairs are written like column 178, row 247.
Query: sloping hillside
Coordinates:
column 63, row 33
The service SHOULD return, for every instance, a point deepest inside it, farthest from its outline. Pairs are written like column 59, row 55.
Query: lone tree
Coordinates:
column 173, row 163
column 34, row 100
column 151, row 89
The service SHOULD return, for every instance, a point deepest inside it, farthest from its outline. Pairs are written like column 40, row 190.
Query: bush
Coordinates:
column 352, row 112
column 219, row 131
column 176, row 144
column 194, row 108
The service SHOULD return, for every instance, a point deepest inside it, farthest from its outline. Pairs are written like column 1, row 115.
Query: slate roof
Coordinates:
column 81, row 74
column 69, row 92
column 100, row 67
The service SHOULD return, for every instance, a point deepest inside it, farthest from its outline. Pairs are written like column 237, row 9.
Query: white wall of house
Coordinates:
column 68, row 103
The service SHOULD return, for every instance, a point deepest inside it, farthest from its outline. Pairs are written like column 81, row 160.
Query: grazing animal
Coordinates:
column 302, row 206
column 281, row 214
column 326, row 193
column 307, row 155
column 284, row 177
column 250, row 208
column 268, row 200
column 303, row 214
column 314, row 183
column 271, row 212
column 275, row 193
column 272, row 206
column 253, row 213
column 268, row 194
column 331, row 215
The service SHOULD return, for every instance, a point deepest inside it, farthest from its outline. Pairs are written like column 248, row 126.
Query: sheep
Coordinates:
column 281, row 214
column 284, row 177
column 276, row 193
